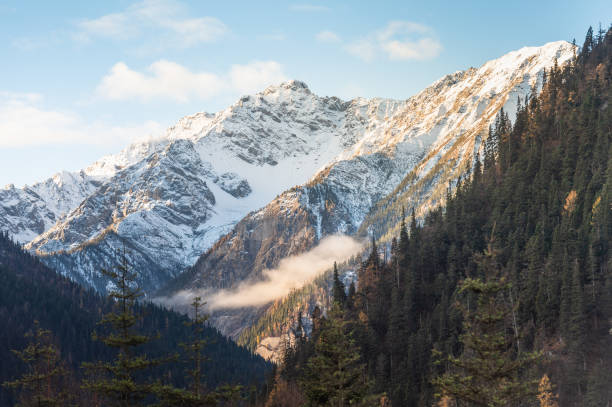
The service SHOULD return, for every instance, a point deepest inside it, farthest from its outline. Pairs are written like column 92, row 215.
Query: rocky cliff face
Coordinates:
column 170, row 199
column 423, row 146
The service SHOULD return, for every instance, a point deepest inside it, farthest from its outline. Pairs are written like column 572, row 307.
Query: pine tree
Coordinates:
column 195, row 395
column 335, row 375
column 41, row 385
column 487, row 373
column 490, row 149
column 194, row 349
column 369, row 274
column 350, row 298
column 587, row 47
column 338, row 292
column 577, row 332
column 599, row 391
column 117, row 382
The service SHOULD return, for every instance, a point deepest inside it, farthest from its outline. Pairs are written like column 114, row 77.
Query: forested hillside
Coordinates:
column 30, row 291
column 514, row 273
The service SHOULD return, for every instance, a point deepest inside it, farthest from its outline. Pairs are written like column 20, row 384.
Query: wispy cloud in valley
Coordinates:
column 292, row 273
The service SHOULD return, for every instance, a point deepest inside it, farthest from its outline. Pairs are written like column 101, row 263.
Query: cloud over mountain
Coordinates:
column 170, row 80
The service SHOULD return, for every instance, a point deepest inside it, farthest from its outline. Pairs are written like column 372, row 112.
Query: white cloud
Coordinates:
column 425, row 48
column 402, row 27
column 170, row 80
column 115, row 25
column 14, row 97
column 398, row 40
column 327, row 36
column 168, row 19
column 167, row 80
column 255, row 76
column 292, row 273
column 37, row 42
column 364, row 49
column 309, row 7
column 197, row 30
column 23, row 122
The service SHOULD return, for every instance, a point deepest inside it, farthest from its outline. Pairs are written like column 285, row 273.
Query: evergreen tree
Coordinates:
column 195, row 347
column 338, row 292
column 599, row 390
column 587, row 47
column 195, row 395
column 350, row 298
column 335, row 375
column 490, row 149
column 487, row 373
column 117, row 382
column 42, row 384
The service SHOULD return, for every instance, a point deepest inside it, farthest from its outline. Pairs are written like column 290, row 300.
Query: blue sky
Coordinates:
column 82, row 79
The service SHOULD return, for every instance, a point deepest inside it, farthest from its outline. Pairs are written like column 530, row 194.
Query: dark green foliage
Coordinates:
column 119, row 382
column 334, row 374
column 30, row 291
column 44, row 383
column 338, row 292
column 194, row 348
column 195, row 394
column 490, row 371
column 540, row 206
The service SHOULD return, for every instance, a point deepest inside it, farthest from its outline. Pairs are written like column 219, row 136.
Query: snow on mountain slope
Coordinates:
column 171, row 198
column 431, row 137
column 27, row 212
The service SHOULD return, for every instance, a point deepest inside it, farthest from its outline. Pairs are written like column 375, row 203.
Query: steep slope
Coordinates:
column 432, row 137
column 27, row 212
column 170, row 199
column 530, row 231
column 30, row 291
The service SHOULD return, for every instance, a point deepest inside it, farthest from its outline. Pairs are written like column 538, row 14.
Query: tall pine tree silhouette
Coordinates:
column 117, row 382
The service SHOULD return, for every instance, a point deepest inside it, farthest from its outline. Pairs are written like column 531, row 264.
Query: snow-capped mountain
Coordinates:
column 170, row 199
column 320, row 161
column 424, row 144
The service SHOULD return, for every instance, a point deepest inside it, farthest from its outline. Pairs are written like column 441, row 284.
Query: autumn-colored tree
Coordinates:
column 546, row 397
column 285, row 394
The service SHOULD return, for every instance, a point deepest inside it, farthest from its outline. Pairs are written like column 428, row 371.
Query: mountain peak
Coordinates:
column 543, row 55
column 292, row 85
column 194, row 183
